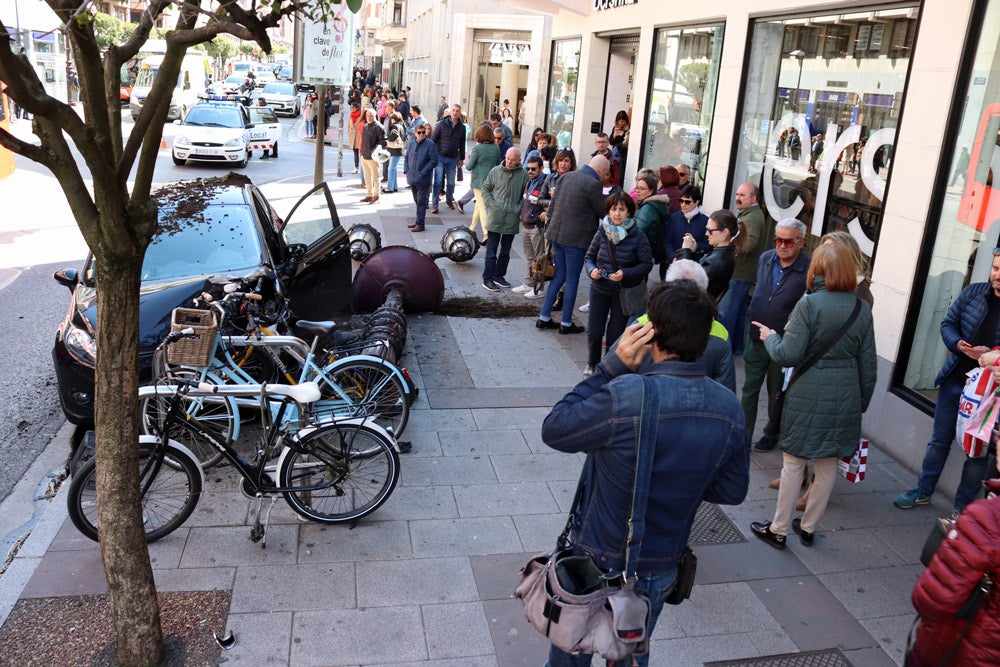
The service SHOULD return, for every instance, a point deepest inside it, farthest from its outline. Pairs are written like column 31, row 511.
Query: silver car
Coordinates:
column 281, row 97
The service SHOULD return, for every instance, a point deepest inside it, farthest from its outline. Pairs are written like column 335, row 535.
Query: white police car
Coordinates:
column 214, row 131
column 265, row 130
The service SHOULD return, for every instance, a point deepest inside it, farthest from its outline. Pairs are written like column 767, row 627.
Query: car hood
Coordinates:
column 157, row 301
column 196, row 133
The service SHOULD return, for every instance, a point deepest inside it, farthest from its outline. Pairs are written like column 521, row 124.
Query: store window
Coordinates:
column 563, row 78
column 682, row 97
column 968, row 223
column 836, row 79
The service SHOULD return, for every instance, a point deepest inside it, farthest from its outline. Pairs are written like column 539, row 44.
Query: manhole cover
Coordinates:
column 826, row 658
column 712, row 526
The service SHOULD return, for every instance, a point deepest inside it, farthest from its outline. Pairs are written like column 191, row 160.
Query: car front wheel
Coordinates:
column 178, row 161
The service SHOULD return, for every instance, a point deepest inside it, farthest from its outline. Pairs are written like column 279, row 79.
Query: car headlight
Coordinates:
column 181, row 140
column 234, row 143
column 80, row 343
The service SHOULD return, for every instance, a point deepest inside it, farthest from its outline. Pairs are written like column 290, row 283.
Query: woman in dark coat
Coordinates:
column 619, row 256
column 971, row 550
column 821, row 418
column 718, row 263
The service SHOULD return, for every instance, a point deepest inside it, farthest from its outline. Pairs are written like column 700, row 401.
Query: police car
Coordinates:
column 265, row 130
column 214, row 131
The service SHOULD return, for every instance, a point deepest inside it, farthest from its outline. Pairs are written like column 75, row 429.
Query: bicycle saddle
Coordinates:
column 315, row 328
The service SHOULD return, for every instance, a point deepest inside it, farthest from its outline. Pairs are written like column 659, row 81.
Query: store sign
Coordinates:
column 327, row 49
column 611, row 4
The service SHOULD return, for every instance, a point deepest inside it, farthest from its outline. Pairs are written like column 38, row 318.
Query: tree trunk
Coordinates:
column 132, row 594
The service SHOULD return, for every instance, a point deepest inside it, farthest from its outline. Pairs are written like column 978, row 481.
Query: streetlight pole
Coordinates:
column 798, row 55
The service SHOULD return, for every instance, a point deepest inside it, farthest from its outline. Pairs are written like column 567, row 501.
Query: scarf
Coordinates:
column 692, row 213
column 616, row 233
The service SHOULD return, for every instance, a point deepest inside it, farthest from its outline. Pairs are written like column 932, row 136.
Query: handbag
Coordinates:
column 380, row 154
column 778, row 400
column 976, row 419
column 542, row 269
column 398, row 141
column 632, row 299
column 853, row 467
column 572, row 602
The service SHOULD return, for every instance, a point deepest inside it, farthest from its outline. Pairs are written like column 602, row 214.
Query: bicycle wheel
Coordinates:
column 256, row 363
column 208, row 420
column 172, row 488
column 339, row 472
column 371, row 389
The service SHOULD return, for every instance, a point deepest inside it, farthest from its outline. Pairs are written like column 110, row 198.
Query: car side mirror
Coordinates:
column 178, row 122
column 66, row 277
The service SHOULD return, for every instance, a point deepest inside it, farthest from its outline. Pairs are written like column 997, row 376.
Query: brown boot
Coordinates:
column 801, row 505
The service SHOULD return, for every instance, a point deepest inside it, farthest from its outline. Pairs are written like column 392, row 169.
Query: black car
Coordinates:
column 208, row 227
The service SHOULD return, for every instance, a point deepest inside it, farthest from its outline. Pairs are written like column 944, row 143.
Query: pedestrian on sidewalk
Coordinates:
column 419, row 163
column 502, row 191
column 449, row 137
column 969, row 330
column 482, row 158
column 395, row 141
column 355, row 126
column 700, row 454
column 821, row 418
column 372, row 137
column 532, row 217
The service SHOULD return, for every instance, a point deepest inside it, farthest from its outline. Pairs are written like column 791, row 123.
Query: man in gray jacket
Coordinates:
column 502, row 191
column 574, row 213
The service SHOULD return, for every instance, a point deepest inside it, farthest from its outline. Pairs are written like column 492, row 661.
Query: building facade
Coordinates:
column 906, row 96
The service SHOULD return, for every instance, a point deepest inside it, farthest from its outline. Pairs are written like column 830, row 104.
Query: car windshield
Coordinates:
column 236, row 79
column 214, row 115
column 260, row 115
column 219, row 239
column 279, row 89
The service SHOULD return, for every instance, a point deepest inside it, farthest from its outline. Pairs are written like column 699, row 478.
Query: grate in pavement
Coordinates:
column 712, row 526
column 827, row 658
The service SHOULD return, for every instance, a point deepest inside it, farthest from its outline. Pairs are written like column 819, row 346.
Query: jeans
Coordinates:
column 357, row 160
column 310, row 129
column 973, row 471
column 444, row 178
column 420, row 199
column 657, row 587
column 392, row 185
column 602, row 330
column 495, row 265
column 758, row 366
column 569, row 263
column 733, row 313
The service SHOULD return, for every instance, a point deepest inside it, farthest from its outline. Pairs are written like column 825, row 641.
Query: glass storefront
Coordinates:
column 968, row 223
column 837, row 79
column 563, row 77
column 681, row 99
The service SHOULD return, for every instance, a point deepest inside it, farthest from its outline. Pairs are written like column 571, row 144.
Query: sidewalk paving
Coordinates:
column 429, row 577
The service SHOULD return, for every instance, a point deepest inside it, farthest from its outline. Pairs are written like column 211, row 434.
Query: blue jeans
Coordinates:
column 420, row 199
column 392, row 185
column 569, row 263
column 733, row 313
column 657, row 587
column 973, row 471
column 495, row 265
column 444, row 171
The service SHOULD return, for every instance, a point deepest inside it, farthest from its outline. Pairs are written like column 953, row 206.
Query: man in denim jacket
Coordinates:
column 701, row 453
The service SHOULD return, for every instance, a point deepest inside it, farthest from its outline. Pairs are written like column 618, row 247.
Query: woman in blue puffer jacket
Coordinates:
column 619, row 257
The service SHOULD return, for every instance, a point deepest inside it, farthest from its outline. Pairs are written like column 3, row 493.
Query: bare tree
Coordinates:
column 117, row 220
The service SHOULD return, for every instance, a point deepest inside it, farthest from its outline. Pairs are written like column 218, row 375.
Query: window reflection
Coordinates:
column 562, row 90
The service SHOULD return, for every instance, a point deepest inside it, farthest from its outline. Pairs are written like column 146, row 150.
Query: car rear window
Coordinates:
column 218, row 239
column 279, row 88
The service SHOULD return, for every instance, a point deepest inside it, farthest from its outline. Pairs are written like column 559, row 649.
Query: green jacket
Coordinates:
column 822, row 411
column 482, row 158
column 503, row 191
column 758, row 240
column 651, row 216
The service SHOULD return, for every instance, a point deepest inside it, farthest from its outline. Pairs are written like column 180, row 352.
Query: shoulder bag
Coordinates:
column 572, row 602
column 632, row 299
column 543, row 269
column 779, row 397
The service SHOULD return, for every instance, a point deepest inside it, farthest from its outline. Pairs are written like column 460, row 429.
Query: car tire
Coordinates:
column 179, row 162
column 244, row 161
column 274, row 150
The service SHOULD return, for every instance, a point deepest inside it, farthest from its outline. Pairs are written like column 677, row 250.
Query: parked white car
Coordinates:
column 214, row 132
column 281, row 97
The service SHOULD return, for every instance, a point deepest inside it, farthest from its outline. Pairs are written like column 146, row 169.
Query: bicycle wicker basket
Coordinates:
column 192, row 351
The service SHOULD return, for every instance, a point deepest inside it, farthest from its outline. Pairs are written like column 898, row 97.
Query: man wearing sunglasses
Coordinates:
column 421, row 159
column 781, row 282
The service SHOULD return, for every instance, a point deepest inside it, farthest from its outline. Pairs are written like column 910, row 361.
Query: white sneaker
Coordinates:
column 532, row 294
column 522, row 289
column 584, row 308
column 588, row 371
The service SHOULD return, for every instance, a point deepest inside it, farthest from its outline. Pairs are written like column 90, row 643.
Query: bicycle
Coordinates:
column 333, row 472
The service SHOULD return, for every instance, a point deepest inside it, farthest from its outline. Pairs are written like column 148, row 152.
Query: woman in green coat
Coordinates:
column 821, row 418
column 484, row 156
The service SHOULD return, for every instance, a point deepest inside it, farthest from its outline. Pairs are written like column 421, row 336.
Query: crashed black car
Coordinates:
column 208, row 227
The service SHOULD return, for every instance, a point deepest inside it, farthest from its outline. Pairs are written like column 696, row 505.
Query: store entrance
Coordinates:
column 619, row 85
column 501, row 74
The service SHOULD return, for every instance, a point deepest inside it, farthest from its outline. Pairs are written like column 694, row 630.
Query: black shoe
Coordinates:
column 804, row 535
column 763, row 531
column 490, row 285
column 571, row 329
column 502, row 282
column 546, row 324
column 765, row 444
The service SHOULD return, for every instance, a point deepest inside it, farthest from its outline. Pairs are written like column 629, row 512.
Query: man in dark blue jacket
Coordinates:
column 700, row 455
column 781, row 282
column 969, row 330
column 449, row 137
column 421, row 159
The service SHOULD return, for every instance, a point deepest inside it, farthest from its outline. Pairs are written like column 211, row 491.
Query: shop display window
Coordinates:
column 563, row 77
column 964, row 226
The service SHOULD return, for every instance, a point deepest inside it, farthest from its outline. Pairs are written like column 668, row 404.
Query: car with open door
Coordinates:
column 208, row 227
